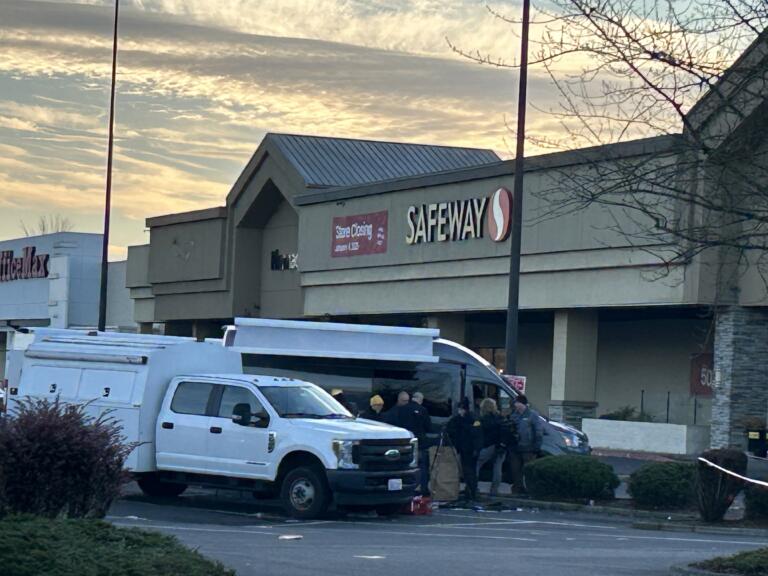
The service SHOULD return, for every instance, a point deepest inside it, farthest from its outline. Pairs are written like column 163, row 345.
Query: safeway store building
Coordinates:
column 381, row 232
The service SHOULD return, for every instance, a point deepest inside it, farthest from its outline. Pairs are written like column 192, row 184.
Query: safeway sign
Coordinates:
column 460, row 220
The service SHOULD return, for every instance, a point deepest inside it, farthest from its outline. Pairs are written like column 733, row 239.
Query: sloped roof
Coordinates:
column 332, row 162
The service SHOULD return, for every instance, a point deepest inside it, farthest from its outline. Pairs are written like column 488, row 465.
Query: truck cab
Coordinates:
column 282, row 436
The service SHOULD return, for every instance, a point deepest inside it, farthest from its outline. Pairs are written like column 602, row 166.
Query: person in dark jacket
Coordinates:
column 338, row 395
column 418, row 398
column 414, row 418
column 409, row 415
column 529, row 429
column 494, row 441
column 466, row 434
column 374, row 412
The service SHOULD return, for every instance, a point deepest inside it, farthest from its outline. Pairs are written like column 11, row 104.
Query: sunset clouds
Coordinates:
column 201, row 81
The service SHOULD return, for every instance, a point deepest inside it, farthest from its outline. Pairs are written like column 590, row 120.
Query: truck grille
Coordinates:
column 371, row 454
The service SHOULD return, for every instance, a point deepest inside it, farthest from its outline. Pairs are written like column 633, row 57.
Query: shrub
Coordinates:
column 61, row 462
column 716, row 490
column 756, row 499
column 570, row 477
column 627, row 413
column 663, row 485
column 32, row 546
column 754, row 563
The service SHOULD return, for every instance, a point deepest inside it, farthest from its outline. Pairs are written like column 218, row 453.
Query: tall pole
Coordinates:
column 517, row 202
column 108, row 194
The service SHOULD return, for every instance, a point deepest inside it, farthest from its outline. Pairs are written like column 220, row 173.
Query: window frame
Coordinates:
column 208, row 405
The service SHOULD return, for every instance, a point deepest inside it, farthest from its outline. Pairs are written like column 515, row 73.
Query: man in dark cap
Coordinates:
column 529, row 429
column 466, row 434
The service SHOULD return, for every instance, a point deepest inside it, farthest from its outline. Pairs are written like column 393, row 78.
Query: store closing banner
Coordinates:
column 360, row 234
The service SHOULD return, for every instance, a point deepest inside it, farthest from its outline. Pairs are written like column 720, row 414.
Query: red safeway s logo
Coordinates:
column 499, row 215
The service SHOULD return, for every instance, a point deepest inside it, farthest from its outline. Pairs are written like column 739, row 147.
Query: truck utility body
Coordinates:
column 196, row 418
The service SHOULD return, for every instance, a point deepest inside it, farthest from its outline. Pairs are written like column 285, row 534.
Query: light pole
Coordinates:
column 108, row 194
column 517, row 203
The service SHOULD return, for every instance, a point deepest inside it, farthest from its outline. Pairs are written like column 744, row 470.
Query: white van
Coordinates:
column 197, row 419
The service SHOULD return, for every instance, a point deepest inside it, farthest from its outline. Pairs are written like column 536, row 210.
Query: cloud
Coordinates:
column 194, row 101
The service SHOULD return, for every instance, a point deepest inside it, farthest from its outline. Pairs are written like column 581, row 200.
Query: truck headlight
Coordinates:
column 415, row 445
column 344, row 450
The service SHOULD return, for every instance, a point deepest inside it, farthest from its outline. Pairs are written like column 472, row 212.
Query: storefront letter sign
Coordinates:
column 461, row 219
column 29, row 265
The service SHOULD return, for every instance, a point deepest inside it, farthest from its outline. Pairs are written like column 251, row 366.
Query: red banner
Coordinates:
column 359, row 235
column 702, row 375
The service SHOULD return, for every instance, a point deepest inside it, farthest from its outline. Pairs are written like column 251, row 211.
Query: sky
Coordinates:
column 200, row 82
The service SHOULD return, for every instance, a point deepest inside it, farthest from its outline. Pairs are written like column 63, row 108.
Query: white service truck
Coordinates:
column 197, row 419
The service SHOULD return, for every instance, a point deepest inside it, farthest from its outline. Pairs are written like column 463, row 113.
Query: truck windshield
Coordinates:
column 303, row 402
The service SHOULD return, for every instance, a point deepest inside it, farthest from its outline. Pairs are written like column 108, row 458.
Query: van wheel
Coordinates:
column 305, row 493
column 152, row 486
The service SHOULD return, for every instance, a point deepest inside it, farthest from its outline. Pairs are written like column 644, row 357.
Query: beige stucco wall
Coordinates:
column 281, row 295
column 652, row 355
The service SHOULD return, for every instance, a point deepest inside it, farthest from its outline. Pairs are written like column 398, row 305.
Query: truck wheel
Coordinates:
column 305, row 493
column 153, row 486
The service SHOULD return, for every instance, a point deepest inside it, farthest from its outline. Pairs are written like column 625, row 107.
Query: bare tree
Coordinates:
column 695, row 72
column 47, row 225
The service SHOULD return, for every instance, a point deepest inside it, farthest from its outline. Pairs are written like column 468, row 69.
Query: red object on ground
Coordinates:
column 420, row 506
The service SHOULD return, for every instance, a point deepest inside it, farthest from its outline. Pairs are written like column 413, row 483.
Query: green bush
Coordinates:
column 756, row 500
column 627, row 413
column 666, row 485
column 570, row 477
column 754, row 563
column 32, row 546
column 717, row 490
column 60, row 462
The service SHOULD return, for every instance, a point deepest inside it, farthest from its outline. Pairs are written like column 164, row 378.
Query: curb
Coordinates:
column 573, row 507
column 725, row 530
column 685, row 570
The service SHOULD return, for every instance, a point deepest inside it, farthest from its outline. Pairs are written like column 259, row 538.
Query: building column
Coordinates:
column 741, row 374
column 451, row 326
column 574, row 366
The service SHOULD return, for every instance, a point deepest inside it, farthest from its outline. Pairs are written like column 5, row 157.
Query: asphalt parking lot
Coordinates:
column 258, row 540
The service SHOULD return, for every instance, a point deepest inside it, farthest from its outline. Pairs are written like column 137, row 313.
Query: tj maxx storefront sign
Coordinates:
column 461, row 219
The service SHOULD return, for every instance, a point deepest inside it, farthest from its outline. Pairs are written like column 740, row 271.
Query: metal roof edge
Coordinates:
column 185, row 217
column 640, row 147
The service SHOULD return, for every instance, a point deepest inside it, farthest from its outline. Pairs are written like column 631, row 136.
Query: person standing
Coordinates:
column 374, row 412
column 414, row 418
column 426, row 428
column 494, row 444
column 466, row 434
column 529, row 430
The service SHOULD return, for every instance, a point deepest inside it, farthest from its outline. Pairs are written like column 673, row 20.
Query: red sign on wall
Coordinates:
column 702, row 375
column 359, row 235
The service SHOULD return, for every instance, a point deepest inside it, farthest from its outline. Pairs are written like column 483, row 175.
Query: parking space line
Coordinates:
column 194, row 529
column 439, row 535
column 676, row 539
